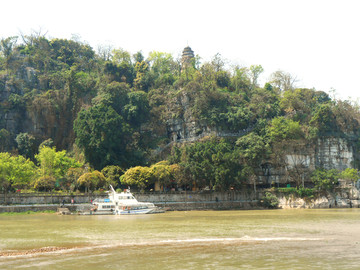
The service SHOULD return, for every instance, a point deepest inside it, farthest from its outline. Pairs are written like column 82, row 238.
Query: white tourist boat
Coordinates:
column 123, row 203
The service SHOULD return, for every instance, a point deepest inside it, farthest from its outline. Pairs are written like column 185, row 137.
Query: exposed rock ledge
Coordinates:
column 344, row 199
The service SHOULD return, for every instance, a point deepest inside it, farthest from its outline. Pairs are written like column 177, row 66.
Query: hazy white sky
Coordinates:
column 315, row 40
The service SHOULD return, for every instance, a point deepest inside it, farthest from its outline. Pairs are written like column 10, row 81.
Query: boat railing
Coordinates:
column 102, row 200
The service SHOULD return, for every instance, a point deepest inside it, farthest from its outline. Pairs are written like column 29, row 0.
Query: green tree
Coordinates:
column 235, row 118
column 252, row 151
column 26, row 144
column 346, row 116
column 103, row 135
column 45, row 183
column 240, row 79
column 163, row 68
column 255, row 71
column 112, row 174
column 212, row 163
column 92, row 180
column 70, row 52
column 113, row 95
column 284, row 129
column 5, row 170
column 4, row 139
column 86, row 181
column 323, row 119
column 218, row 62
column 15, row 171
column 282, row 81
column 325, row 180
column 38, row 50
column 138, row 57
column 120, row 55
column 7, row 46
column 301, row 104
column 142, row 79
column 161, row 172
column 137, row 110
column 264, row 104
column 72, row 176
column 22, row 172
column 350, row 174
column 137, row 176
column 270, row 201
column 177, row 173
column 120, row 68
column 160, row 62
column 54, row 165
column 223, row 79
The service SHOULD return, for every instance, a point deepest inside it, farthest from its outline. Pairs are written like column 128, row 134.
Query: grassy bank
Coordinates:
column 27, row 213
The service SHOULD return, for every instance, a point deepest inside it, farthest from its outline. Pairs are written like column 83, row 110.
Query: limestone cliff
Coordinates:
column 299, row 159
column 346, row 198
column 42, row 114
column 185, row 127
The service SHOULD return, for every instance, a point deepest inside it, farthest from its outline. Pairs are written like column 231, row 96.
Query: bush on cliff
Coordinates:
column 270, row 201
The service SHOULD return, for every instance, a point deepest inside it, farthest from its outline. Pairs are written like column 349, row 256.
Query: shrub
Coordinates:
column 270, row 201
column 44, row 183
column 299, row 192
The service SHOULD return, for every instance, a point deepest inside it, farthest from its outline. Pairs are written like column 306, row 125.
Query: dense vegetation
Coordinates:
column 109, row 113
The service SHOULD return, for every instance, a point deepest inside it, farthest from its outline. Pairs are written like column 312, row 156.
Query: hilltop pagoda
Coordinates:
column 187, row 57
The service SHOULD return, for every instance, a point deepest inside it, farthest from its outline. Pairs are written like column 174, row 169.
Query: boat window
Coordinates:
column 107, row 206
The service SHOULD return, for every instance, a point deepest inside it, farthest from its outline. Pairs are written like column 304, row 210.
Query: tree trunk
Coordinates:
column 5, row 197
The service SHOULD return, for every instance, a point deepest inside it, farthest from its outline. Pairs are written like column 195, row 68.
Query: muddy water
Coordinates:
column 274, row 239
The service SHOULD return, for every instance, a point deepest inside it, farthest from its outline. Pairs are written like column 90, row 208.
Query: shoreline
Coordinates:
column 230, row 200
column 284, row 205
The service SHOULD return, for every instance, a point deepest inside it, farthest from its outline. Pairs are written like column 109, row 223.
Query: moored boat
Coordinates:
column 123, row 203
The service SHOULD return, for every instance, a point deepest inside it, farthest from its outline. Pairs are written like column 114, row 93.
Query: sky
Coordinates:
column 316, row 41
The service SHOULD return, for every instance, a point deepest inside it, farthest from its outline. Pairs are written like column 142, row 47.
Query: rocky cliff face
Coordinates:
column 327, row 152
column 347, row 198
column 187, row 128
column 47, row 115
column 12, row 110
column 334, row 153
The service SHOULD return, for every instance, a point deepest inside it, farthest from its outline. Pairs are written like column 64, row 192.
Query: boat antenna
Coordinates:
column 111, row 187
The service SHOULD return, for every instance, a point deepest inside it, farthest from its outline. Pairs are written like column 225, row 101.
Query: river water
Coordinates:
column 263, row 239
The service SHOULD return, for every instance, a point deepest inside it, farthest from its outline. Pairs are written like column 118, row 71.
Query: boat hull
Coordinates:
column 135, row 212
column 138, row 211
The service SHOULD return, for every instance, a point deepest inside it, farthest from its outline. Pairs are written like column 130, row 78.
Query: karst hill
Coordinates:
column 218, row 125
